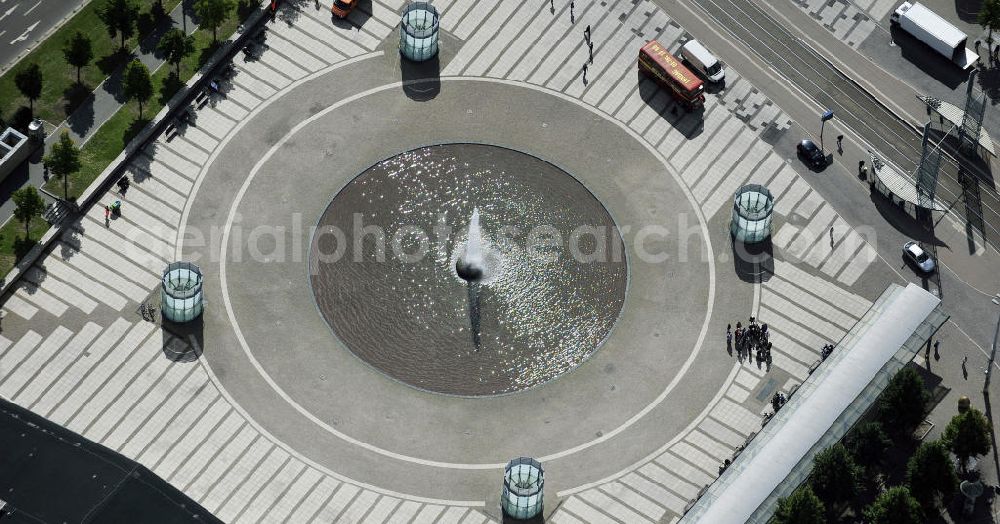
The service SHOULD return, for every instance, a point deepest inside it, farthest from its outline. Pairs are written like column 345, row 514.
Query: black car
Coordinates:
column 811, row 153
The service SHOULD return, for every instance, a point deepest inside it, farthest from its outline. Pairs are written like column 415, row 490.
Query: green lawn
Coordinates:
column 105, row 145
column 60, row 92
column 13, row 244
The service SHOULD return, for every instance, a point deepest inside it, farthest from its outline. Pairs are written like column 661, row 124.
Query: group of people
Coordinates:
column 751, row 341
column 827, row 349
column 778, row 400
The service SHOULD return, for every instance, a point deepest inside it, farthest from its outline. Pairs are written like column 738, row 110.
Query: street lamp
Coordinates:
column 827, row 115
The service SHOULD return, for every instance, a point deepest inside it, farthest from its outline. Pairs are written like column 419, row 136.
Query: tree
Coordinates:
column 868, row 443
column 175, row 45
column 29, row 205
column 903, row 404
column 895, row 506
column 29, row 83
column 989, row 17
column 63, row 160
column 213, row 13
column 801, row 507
column 119, row 17
column 78, row 52
column 136, row 83
column 930, row 471
column 967, row 435
column 835, row 477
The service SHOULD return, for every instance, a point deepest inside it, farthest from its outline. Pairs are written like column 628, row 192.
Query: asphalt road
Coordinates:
column 22, row 22
column 974, row 198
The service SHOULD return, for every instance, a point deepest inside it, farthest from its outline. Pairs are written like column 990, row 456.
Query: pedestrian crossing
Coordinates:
column 111, row 380
column 850, row 21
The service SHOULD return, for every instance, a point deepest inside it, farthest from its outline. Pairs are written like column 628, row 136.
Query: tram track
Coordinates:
column 855, row 108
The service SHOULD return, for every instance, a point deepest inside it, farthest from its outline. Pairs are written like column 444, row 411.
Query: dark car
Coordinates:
column 811, row 154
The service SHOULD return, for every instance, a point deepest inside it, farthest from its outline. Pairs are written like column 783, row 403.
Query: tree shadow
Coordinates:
column 134, row 128
column 80, row 108
column 110, row 63
column 207, row 53
column 70, row 243
column 291, row 10
column 21, row 118
column 22, row 246
column 171, row 85
column 244, row 8
column 74, row 95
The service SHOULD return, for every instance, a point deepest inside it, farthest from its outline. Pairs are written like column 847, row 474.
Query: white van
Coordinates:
column 703, row 61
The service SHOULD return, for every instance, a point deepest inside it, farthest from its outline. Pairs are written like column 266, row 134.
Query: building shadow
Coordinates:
column 186, row 341
column 361, row 14
column 928, row 60
column 507, row 519
column 968, row 10
column 919, row 228
column 421, row 80
column 753, row 263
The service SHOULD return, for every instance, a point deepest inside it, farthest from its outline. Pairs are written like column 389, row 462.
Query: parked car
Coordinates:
column 916, row 255
column 811, row 154
column 342, row 8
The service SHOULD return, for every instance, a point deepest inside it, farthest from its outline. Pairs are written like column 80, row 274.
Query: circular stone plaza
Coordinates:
column 414, row 273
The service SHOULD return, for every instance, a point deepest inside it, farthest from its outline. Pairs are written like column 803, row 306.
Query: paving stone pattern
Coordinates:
column 105, row 376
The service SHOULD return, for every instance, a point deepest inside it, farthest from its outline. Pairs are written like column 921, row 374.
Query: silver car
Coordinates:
column 916, row 254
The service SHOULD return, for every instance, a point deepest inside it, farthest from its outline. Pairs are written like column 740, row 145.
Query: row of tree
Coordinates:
column 837, row 475
column 120, row 18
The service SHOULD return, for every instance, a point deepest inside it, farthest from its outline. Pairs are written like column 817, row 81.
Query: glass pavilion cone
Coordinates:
column 523, row 481
column 418, row 31
column 181, row 297
column 752, row 209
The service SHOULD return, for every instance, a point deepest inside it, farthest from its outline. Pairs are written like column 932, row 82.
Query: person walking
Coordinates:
column 585, row 73
column 586, row 33
column 590, row 45
column 572, row 15
column 840, row 144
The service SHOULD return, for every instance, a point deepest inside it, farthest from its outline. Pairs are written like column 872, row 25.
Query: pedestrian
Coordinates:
column 590, row 45
column 729, row 342
column 840, row 144
column 586, row 33
column 552, row 6
column 572, row 15
column 585, row 74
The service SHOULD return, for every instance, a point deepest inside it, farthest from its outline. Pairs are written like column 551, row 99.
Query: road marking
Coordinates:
column 32, row 8
column 24, row 35
column 9, row 11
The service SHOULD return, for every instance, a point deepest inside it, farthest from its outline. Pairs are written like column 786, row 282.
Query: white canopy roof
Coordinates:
column 797, row 431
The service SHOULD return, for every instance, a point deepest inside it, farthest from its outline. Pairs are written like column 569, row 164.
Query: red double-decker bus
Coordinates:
column 667, row 71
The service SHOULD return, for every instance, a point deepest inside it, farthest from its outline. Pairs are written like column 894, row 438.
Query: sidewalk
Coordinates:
column 100, row 106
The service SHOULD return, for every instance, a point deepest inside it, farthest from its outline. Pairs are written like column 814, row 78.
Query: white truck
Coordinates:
column 928, row 27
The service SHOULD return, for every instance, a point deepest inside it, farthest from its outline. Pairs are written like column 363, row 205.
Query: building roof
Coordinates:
column 900, row 183
column 821, row 411
column 50, row 474
column 955, row 114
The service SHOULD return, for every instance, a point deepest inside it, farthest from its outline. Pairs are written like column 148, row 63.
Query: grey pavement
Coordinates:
column 24, row 22
column 291, row 427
